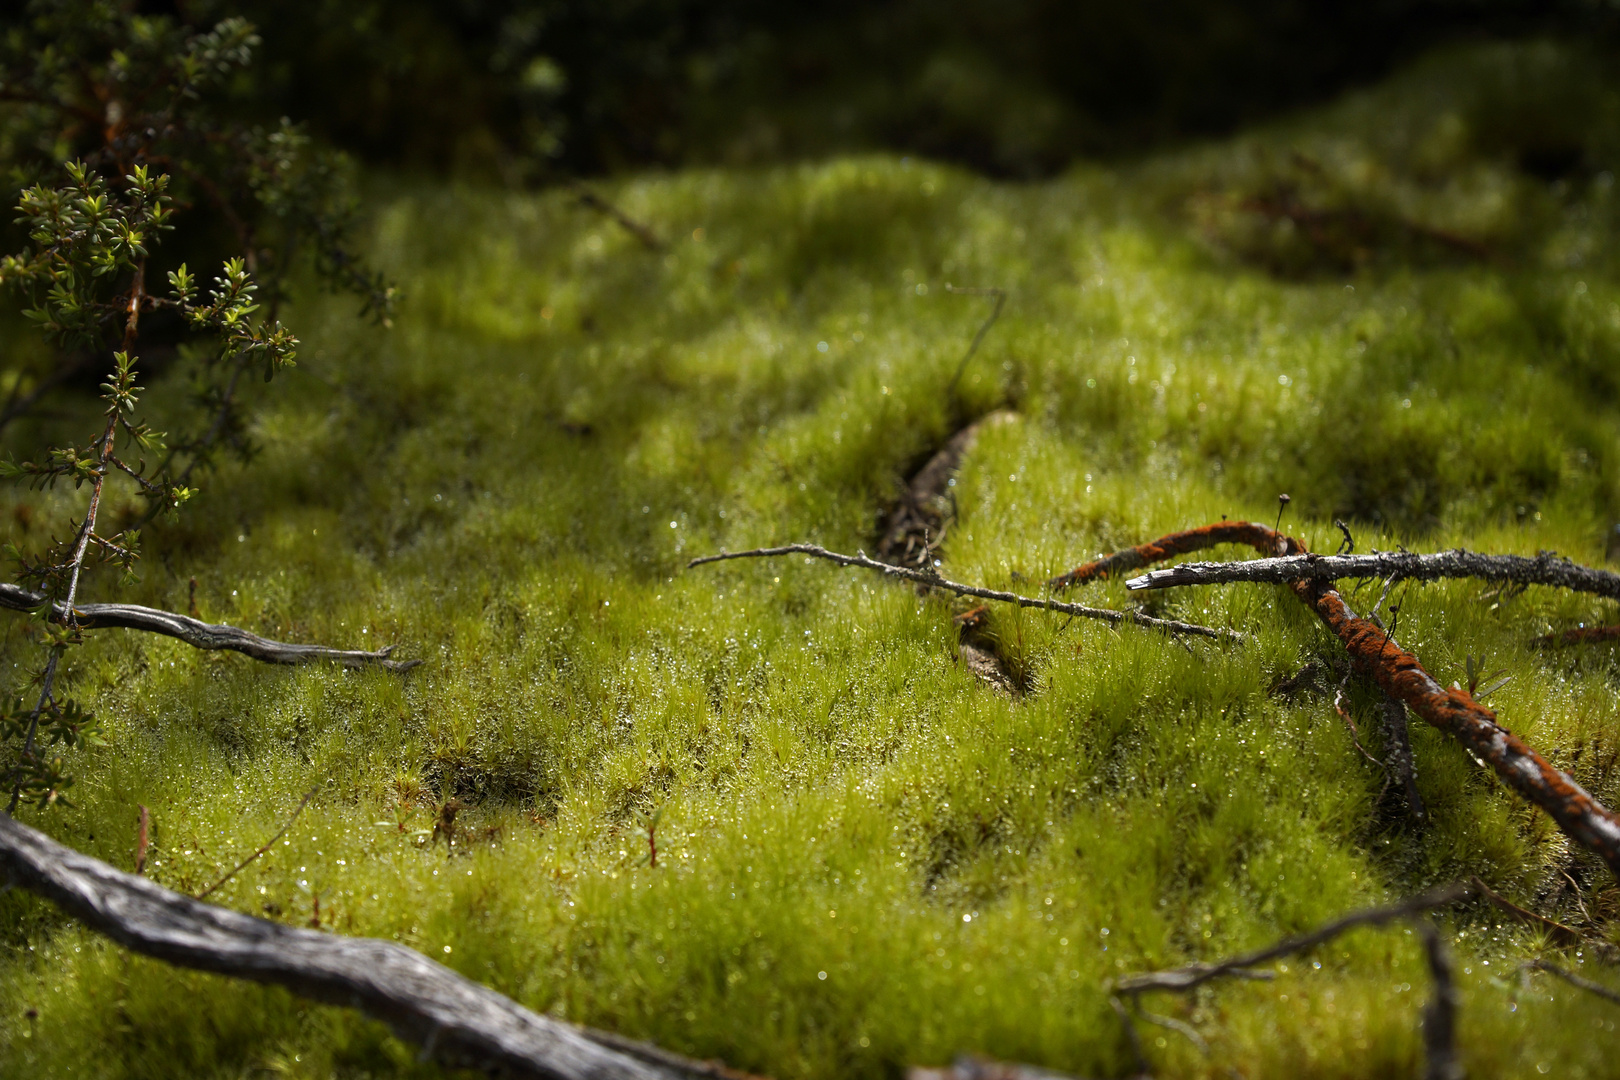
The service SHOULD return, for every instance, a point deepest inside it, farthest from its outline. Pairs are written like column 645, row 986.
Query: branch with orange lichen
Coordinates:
column 1399, row 674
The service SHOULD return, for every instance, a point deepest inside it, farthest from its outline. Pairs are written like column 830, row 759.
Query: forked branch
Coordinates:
column 1400, row 675
column 195, row 632
column 452, row 1018
column 935, row 581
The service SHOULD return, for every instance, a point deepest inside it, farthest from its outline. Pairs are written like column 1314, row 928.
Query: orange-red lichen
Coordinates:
column 1400, row 674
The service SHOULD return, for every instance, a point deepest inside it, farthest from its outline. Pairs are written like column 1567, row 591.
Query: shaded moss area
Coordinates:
column 868, row 858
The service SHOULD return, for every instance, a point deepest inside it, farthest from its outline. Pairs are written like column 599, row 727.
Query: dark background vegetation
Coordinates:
column 532, row 89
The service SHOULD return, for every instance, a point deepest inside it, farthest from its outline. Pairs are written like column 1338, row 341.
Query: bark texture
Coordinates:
column 195, row 632
column 454, row 1019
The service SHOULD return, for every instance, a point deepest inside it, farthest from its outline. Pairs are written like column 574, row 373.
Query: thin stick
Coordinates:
column 1440, row 1014
column 457, row 1021
column 1193, row 975
column 268, row 844
column 593, row 201
column 995, row 313
column 1543, row 569
column 1573, row 979
column 143, row 834
column 933, row 580
column 195, row 632
column 1132, row 1036
column 1568, row 934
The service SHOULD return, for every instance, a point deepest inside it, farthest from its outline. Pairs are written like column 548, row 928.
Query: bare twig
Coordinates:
column 1543, row 569
column 591, row 200
column 195, row 632
column 1399, row 674
column 995, row 313
column 933, row 580
column 143, row 836
column 1193, row 975
column 1132, row 1036
column 1440, row 1014
column 268, row 844
column 1581, row 635
column 1573, row 979
column 1568, row 935
column 454, row 1019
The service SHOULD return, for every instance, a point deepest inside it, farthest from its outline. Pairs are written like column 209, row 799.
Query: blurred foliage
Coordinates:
column 531, row 88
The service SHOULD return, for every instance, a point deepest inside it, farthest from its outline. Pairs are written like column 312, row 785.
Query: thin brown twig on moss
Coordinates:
column 1568, row 935
column 934, row 581
column 268, row 844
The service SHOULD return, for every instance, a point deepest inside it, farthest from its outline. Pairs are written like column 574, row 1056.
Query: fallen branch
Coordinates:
column 451, row 1017
column 933, row 580
column 1440, row 1013
column 1543, row 569
column 1194, row 975
column 1400, row 675
column 195, row 632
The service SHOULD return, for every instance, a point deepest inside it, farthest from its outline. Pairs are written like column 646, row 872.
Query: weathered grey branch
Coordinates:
column 1186, row 978
column 934, row 581
column 452, row 1018
column 1543, row 569
column 197, row 633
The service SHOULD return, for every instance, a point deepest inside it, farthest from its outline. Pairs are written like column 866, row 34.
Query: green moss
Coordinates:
column 867, row 858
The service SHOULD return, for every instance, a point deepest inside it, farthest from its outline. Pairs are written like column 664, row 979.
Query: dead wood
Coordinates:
column 1581, row 635
column 917, row 523
column 452, row 1018
column 1573, row 979
column 1566, row 935
column 1543, row 569
column 195, row 632
column 1440, row 1013
column 976, row 1068
column 592, row 201
column 1242, row 966
column 1398, row 753
column 934, row 581
column 1399, row 674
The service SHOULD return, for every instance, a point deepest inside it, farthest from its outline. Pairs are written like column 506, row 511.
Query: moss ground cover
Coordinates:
column 866, row 858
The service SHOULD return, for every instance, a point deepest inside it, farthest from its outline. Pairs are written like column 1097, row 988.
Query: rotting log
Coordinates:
column 452, row 1018
column 1400, row 675
column 933, row 580
column 195, row 632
